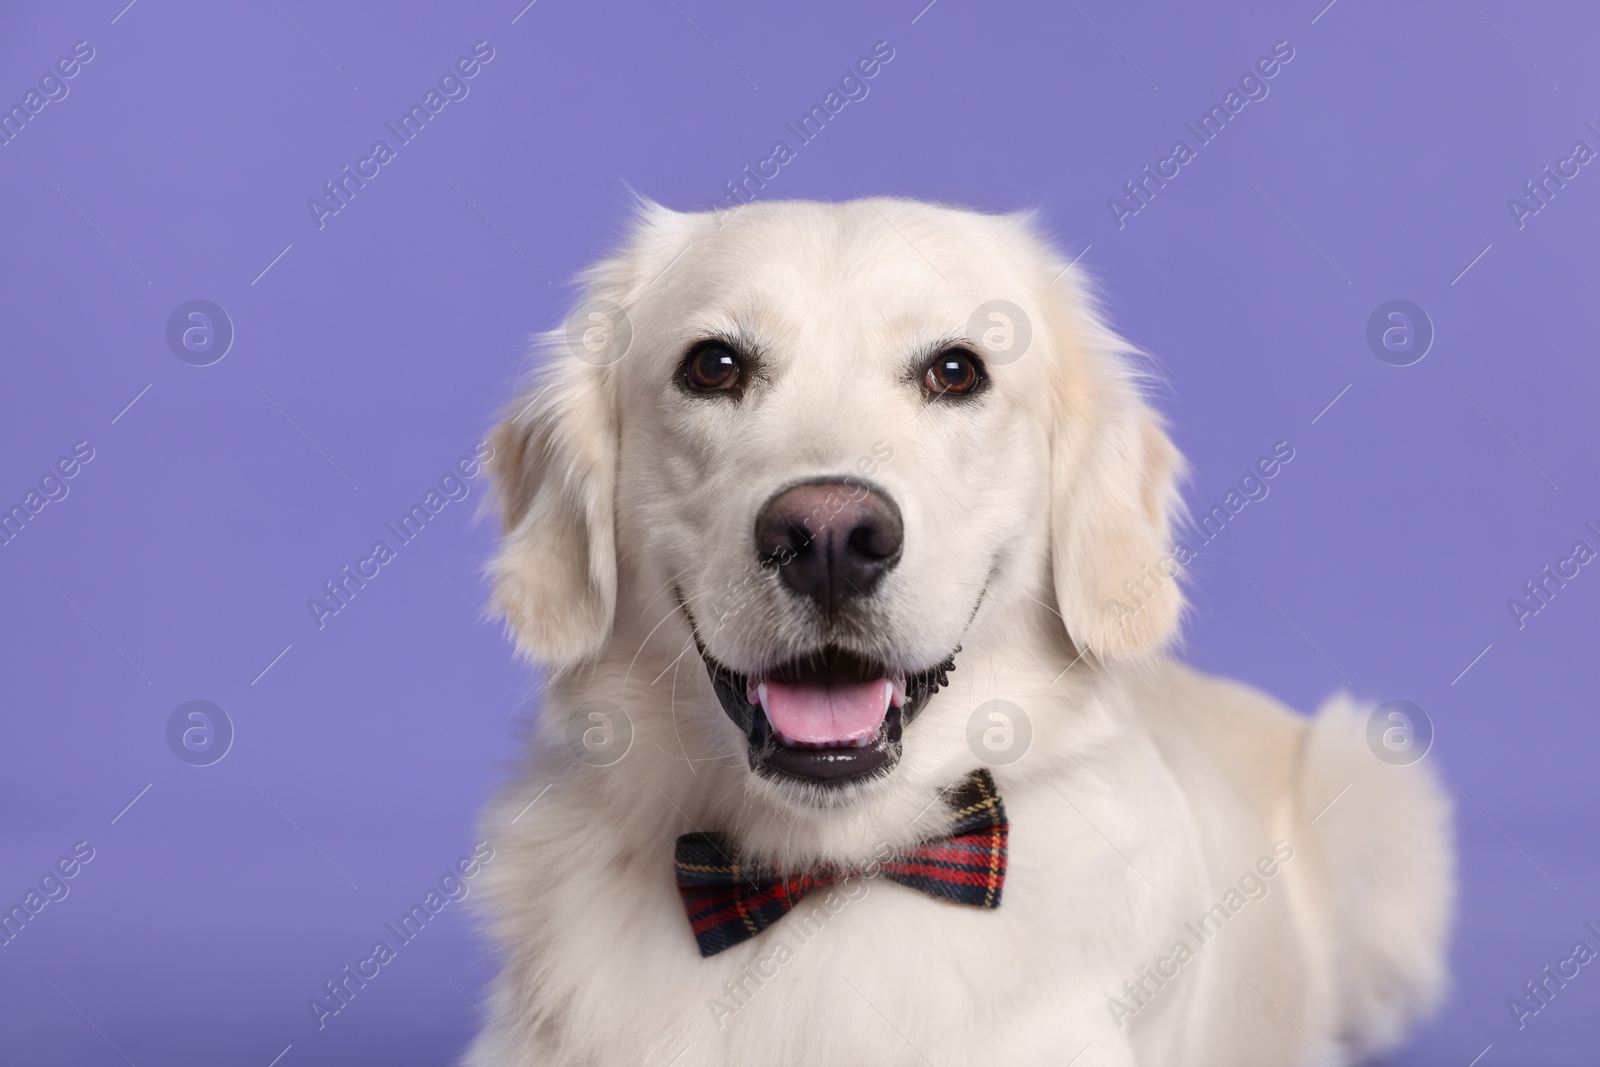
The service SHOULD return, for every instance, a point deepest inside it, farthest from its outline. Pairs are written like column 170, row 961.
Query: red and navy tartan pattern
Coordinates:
column 729, row 903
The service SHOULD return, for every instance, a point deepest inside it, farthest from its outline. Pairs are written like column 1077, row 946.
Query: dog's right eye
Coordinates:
column 955, row 372
column 712, row 367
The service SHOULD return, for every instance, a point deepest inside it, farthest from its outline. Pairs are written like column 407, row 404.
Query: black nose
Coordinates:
column 831, row 540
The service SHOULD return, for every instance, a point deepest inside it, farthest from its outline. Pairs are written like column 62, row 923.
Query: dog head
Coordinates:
column 839, row 438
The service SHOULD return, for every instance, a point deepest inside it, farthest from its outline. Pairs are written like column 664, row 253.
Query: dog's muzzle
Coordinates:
column 829, row 718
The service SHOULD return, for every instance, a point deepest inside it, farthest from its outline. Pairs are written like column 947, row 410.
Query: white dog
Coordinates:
column 812, row 512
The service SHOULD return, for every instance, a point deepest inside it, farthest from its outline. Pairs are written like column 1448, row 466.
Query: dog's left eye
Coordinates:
column 954, row 372
column 712, row 368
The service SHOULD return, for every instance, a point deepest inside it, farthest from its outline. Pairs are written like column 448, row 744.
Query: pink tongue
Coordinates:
column 819, row 714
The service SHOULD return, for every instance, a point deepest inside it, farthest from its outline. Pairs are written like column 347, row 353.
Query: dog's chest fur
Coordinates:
column 864, row 971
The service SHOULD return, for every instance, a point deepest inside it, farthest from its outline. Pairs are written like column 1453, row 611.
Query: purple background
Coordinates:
column 181, row 562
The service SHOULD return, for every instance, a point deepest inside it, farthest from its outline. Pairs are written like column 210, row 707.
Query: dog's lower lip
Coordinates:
column 792, row 742
column 826, row 766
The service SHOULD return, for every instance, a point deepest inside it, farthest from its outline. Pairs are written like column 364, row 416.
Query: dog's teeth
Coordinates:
column 794, row 742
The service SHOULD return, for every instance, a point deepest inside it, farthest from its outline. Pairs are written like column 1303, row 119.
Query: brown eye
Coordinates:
column 955, row 372
column 712, row 368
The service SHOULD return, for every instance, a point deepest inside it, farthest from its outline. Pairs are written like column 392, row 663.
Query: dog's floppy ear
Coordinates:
column 1113, row 495
column 555, row 455
column 555, row 459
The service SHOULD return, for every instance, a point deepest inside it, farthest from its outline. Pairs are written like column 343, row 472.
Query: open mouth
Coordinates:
column 829, row 718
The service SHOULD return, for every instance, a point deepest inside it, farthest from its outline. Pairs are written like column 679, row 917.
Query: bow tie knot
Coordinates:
column 729, row 902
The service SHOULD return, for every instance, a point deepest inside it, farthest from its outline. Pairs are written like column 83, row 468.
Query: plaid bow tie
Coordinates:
column 729, row 903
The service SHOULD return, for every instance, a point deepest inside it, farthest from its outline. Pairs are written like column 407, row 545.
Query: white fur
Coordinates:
column 1148, row 789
